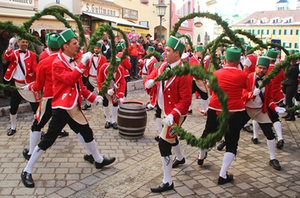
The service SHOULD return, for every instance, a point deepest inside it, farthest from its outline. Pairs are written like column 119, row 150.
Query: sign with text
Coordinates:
column 27, row 3
column 129, row 14
column 99, row 9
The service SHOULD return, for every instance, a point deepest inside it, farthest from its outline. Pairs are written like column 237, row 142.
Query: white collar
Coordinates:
column 172, row 65
column 66, row 57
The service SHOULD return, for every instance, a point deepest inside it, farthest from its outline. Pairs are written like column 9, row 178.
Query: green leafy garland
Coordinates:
column 200, row 73
column 20, row 31
column 157, row 55
column 7, row 87
column 55, row 11
column 189, row 40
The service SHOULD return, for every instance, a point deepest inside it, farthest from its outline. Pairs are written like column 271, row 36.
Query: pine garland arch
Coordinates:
column 189, row 40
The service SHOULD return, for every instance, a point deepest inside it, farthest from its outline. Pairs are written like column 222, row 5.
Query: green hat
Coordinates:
column 263, row 60
column 176, row 44
column 222, row 57
column 47, row 35
column 52, row 40
column 242, row 40
column 297, row 53
column 198, row 48
column 20, row 38
column 248, row 47
column 151, row 49
column 121, row 46
column 233, row 53
column 291, row 51
column 99, row 44
column 118, row 60
column 65, row 36
column 272, row 54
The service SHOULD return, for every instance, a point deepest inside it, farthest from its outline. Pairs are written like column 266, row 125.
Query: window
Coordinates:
column 288, row 32
column 298, row 32
column 277, row 32
column 287, row 44
column 189, row 7
column 265, row 32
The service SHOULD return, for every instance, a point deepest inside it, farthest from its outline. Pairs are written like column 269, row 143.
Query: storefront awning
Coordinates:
column 46, row 22
column 120, row 22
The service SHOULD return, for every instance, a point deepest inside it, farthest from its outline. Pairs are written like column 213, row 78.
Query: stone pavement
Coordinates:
column 62, row 172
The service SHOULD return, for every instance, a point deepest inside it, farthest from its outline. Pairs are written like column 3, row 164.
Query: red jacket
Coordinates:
column 232, row 81
column 195, row 61
column 133, row 49
column 141, row 52
column 44, row 54
column 66, row 82
column 177, row 92
column 149, row 66
column 276, row 82
column 253, row 60
column 248, row 93
column 119, row 80
column 125, row 64
column 44, row 77
column 30, row 65
column 101, row 60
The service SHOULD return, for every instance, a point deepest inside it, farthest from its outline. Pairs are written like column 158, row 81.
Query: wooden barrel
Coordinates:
column 132, row 119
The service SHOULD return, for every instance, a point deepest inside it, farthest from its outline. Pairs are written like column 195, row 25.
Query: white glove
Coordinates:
column 98, row 99
column 25, row 88
column 12, row 42
column 169, row 120
column 149, row 84
column 247, row 62
column 121, row 100
column 280, row 110
column 86, row 57
column 141, row 60
column 256, row 92
column 110, row 92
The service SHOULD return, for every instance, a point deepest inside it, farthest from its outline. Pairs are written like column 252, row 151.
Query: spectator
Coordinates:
column 133, row 53
column 163, row 42
column 131, row 34
column 155, row 44
column 141, row 50
column 106, row 50
column 43, row 37
column 143, row 42
column 159, row 48
column 38, row 48
column 148, row 41
column 3, row 63
column 105, row 36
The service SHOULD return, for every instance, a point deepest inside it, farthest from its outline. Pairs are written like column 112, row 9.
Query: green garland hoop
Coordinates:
column 7, row 87
column 157, row 55
column 189, row 40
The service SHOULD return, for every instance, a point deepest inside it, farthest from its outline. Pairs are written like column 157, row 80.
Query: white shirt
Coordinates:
column 160, row 95
column 256, row 103
column 19, row 75
column 68, row 60
column 93, row 71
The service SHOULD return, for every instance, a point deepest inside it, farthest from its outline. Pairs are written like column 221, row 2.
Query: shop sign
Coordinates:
column 27, row 3
column 129, row 14
column 97, row 9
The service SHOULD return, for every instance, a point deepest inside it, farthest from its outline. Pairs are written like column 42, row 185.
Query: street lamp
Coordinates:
column 161, row 11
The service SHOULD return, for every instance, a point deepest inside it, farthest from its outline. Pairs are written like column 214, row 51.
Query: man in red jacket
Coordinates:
column 91, row 70
column 277, row 98
column 257, row 103
column 232, row 81
column 20, row 72
column 43, row 82
column 133, row 48
column 68, row 90
column 174, row 98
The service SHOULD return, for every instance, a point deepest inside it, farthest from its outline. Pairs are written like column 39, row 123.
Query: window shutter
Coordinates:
column 253, row 31
column 279, row 32
column 290, row 45
column 284, row 32
column 274, row 32
column 291, row 32
column 258, row 31
column 268, row 32
column 297, row 32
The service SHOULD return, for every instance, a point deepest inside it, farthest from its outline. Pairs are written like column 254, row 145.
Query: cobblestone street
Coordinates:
column 62, row 171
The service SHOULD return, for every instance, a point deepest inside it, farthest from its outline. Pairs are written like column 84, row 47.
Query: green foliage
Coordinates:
column 189, row 40
column 7, row 87
column 157, row 55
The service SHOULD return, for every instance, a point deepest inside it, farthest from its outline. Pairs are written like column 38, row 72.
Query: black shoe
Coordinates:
column 25, row 154
column 177, row 162
column 254, row 140
column 286, row 116
column 201, row 161
column 222, row 181
column 275, row 164
column 157, row 138
column 221, row 146
column 89, row 158
column 114, row 125
column 104, row 163
column 63, row 134
column 27, row 179
column 296, row 113
column 85, row 107
column 280, row 144
column 107, row 125
column 163, row 187
column 11, row 132
column 298, row 116
column 290, row 118
column 190, row 112
column 248, row 129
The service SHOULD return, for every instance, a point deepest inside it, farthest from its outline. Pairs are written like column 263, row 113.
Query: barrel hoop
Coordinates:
column 131, row 129
column 132, row 117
